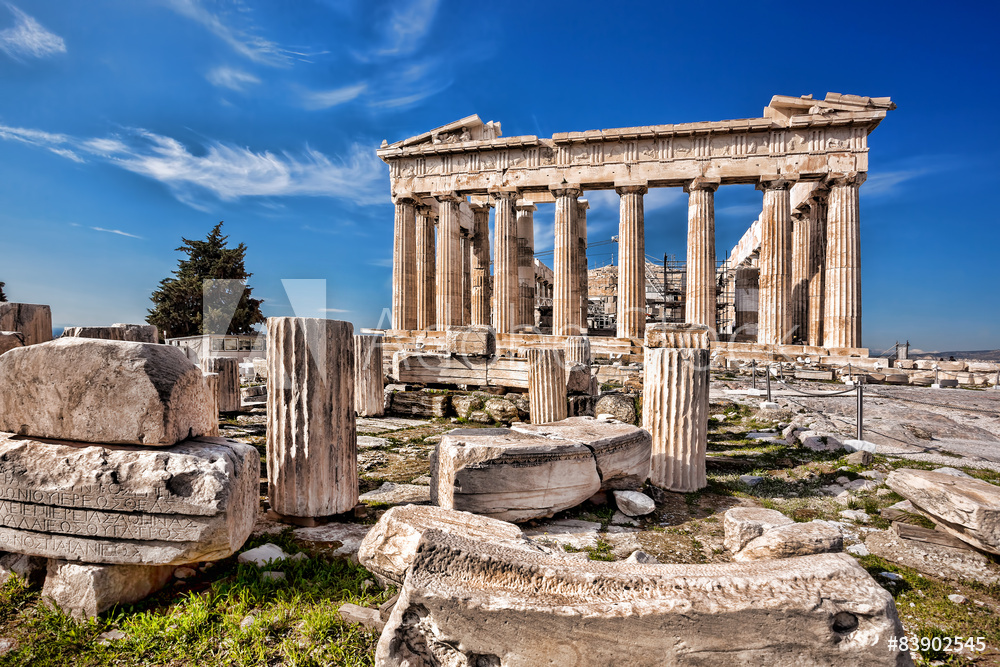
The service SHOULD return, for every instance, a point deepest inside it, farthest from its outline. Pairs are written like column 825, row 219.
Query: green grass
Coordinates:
column 601, row 552
column 294, row 622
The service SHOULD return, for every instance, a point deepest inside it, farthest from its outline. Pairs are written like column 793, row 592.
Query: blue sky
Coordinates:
column 126, row 125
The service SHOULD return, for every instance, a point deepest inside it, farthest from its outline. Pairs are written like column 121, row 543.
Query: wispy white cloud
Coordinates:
column 225, row 171
column 325, row 99
column 407, row 27
column 116, row 231
column 231, row 78
column 746, row 210
column 384, row 263
column 28, row 38
column 605, row 201
column 244, row 42
column 883, row 183
column 333, row 310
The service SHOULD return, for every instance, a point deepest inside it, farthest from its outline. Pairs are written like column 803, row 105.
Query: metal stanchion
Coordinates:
column 861, row 411
column 767, row 374
column 996, row 385
column 753, row 372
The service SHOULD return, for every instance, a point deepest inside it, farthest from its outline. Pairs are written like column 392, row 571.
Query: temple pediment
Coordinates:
column 470, row 128
column 785, row 106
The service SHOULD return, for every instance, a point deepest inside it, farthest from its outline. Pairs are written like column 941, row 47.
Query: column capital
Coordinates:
column 424, row 209
column 777, row 181
column 480, row 206
column 631, row 187
column 405, row 197
column 448, row 196
column 582, row 204
column 566, row 190
column 525, row 205
column 847, row 178
column 819, row 193
column 497, row 193
column 707, row 183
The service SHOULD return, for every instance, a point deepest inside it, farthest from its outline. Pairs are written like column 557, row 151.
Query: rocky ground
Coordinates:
column 784, row 459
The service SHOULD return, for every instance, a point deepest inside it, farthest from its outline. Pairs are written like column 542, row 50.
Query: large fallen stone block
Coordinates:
column 678, row 335
column 793, row 539
column 510, row 475
column 191, row 502
column 10, row 339
column 419, row 404
column 969, row 509
column 83, row 590
column 622, row 451
column 104, row 391
column 469, row 602
column 31, row 319
column 391, row 545
column 136, row 333
column 477, row 341
column 744, row 524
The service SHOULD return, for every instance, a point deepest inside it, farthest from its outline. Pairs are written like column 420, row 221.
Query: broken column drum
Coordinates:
column 311, row 436
column 229, row 381
column 546, row 385
column 369, row 378
column 578, row 351
column 675, row 412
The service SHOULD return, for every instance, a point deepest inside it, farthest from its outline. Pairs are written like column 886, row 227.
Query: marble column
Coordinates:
column 565, row 307
column 817, row 266
column 448, row 280
column 505, row 293
column 526, row 264
column 466, row 277
column 699, row 298
column 426, row 306
column 583, row 287
column 842, row 302
column 369, row 378
column 480, row 267
column 228, row 369
column 312, row 458
column 675, row 412
column 546, row 385
column 212, row 381
column 801, row 242
column 404, row 287
column 631, row 263
column 774, row 315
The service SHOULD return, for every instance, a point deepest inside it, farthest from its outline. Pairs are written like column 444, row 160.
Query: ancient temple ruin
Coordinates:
column 808, row 156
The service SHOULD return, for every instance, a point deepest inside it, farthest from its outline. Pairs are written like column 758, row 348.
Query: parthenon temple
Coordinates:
column 808, row 156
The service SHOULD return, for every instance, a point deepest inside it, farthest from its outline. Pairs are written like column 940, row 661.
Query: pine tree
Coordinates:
column 178, row 302
column 3, row 297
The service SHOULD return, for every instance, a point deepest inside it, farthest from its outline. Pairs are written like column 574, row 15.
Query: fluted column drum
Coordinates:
column 546, row 385
column 631, row 263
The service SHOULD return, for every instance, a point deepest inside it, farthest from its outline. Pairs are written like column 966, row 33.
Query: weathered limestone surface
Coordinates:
column 510, row 475
column 212, row 382
column 476, row 341
column 578, row 351
column 369, row 378
column 743, row 524
column 311, row 435
column 10, row 339
column 678, row 335
column 467, row 602
column 419, row 404
column 793, row 539
column 969, row 509
column 774, row 313
column 104, row 391
column 619, row 406
column 389, row 548
column 83, row 590
column 699, row 301
column 675, row 412
column 228, row 369
column 578, row 379
column 621, row 451
column 136, row 333
column 546, row 385
column 32, row 320
column 118, row 505
column 632, row 263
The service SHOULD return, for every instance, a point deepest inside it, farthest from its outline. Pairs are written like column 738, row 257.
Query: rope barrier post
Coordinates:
column 996, row 385
column 767, row 374
column 753, row 372
column 850, row 373
column 861, row 411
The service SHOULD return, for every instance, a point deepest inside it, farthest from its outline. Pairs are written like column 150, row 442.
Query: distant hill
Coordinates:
column 975, row 355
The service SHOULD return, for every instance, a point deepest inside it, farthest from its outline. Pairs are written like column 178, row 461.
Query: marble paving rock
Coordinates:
column 622, row 451
column 794, row 539
column 743, row 524
column 933, row 559
column 26, row 568
column 969, row 509
column 264, row 555
column 342, row 540
column 477, row 340
column 470, row 602
column 389, row 548
column 32, row 320
column 577, row 378
column 510, row 475
column 620, row 406
column 10, row 339
column 192, row 502
column 84, row 590
column 633, row 503
column 103, row 391
column 392, row 493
